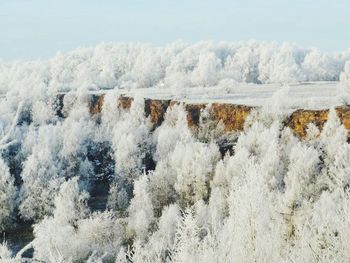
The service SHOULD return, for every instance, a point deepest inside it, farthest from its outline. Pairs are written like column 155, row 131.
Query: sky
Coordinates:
column 38, row 29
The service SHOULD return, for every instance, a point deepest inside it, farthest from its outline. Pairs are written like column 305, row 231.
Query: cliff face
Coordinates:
column 300, row 119
column 96, row 104
column 232, row 116
column 156, row 110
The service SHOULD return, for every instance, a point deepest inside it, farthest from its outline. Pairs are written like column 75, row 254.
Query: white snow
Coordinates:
column 307, row 95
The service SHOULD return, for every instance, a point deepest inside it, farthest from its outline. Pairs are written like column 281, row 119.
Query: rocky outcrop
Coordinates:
column 344, row 115
column 231, row 116
column 193, row 114
column 124, row 102
column 96, row 104
column 156, row 110
column 300, row 119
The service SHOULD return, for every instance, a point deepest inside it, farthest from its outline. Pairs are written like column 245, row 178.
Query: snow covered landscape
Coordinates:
column 92, row 171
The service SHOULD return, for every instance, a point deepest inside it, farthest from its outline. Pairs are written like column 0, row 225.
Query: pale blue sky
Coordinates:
column 31, row 29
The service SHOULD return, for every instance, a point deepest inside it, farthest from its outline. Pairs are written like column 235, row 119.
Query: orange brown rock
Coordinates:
column 193, row 114
column 97, row 104
column 232, row 116
column 344, row 115
column 125, row 102
column 156, row 110
column 300, row 119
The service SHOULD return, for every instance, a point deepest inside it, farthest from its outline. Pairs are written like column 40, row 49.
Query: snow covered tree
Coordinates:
column 131, row 141
column 8, row 194
column 205, row 74
column 141, row 215
column 6, row 254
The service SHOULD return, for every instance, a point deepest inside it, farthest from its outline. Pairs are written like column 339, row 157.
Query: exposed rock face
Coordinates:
column 344, row 115
column 125, row 102
column 193, row 114
column 96, row 104
column 156, row 110
column 232, row 116
column 300, row 119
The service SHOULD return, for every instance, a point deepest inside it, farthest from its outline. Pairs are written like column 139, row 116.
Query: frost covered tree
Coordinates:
column 6, row 254
column 242, row 65
column 193, row 166
column 318, row 66
column 344, row 85
column 54, row 152
column 173, row 130
column 333, row 142
column 72, row 234
column 184, row 176
column 140, row 211
column 285, row 64
column 130, row 141
column 54, row 236
column 186, row 244
column 176, row 65
column 41, row 181
column 206, row 72
column 132, row 145
column 8, row 194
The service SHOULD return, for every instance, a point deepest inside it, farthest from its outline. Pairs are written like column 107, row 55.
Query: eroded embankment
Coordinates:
column 232, row 116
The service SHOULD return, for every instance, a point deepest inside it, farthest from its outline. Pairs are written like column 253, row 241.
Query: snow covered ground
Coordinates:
column 307, row 95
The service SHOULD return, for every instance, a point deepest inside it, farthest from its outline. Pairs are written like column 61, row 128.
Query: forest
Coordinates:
column 114, row 188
